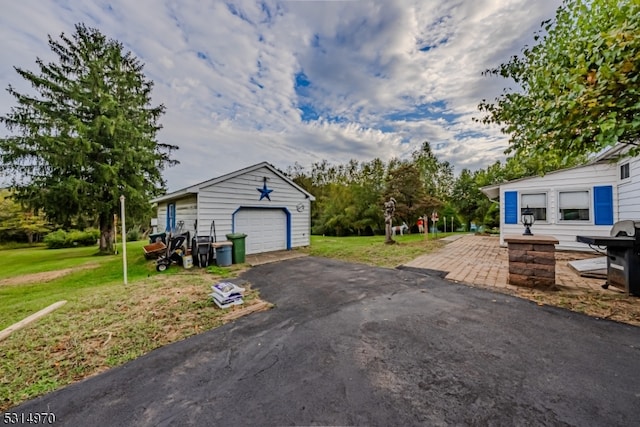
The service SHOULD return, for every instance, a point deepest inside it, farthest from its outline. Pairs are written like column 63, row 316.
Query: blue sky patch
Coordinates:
column 302, row 80
column 433, row 111
column 386, row 128
column 308, row 113
column 428, row 47
column 469, row 134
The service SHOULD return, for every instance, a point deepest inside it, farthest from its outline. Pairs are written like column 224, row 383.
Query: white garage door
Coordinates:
column 266, row 229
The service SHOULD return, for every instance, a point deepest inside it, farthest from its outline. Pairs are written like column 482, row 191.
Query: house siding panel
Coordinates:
column 629, row 192
column 186, row 210
column 218, row 202
column 582, row 178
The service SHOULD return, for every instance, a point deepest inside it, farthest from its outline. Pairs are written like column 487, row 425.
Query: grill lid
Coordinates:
column 625, row 228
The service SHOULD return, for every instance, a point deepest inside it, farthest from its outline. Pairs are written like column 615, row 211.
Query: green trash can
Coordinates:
column 238, row 246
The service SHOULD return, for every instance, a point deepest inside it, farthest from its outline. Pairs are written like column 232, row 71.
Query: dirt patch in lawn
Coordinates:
column 609, row 304
column 45, row 276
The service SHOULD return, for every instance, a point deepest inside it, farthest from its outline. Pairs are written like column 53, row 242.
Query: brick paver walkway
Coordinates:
column 480, row 261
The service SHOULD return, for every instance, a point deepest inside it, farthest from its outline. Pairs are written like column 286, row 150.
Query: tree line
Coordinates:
column 350, row 197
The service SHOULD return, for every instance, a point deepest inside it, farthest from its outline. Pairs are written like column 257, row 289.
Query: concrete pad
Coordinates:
column 593, row 267
column 269, row 257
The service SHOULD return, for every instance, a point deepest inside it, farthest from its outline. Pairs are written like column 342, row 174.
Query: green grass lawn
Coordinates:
column 104, row 322
column 372, row 250
column 21, row 300
column 38, row 259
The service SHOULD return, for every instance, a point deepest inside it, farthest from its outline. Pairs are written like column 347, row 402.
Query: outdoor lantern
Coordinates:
column 527, row 219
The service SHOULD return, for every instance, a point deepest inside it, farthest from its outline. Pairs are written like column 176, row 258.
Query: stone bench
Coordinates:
column 532, row 260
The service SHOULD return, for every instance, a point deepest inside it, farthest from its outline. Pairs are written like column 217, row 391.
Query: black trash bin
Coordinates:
column 238, row 252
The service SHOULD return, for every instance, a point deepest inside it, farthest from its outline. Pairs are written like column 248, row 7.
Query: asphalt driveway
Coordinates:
column 349, row 344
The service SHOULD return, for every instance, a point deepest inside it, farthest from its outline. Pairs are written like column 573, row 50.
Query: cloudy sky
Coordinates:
column 299, row 81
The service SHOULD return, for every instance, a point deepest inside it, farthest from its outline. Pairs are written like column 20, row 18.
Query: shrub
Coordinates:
column 68, row 239
column 133, row 235
column 56, row 239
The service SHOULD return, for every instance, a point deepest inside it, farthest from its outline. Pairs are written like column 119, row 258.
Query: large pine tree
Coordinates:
column 88, row 136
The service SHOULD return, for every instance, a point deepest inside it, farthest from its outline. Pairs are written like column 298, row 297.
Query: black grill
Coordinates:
column 623, row 255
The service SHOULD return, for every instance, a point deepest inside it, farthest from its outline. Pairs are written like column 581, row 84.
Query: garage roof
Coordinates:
column 194, row 189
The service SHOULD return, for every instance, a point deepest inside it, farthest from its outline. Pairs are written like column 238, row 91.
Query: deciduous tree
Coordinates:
column 404, row 183
column 16, row 221
column 466, row 197
column 578, row 89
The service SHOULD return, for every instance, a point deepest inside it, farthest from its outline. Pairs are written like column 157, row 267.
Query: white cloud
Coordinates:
column 226, row 73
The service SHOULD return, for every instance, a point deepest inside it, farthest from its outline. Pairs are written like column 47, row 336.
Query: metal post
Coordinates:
column 115, row 233
column 426, row 227
column 124, row 241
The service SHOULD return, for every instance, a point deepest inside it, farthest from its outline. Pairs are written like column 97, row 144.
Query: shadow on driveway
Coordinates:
column 349, row 344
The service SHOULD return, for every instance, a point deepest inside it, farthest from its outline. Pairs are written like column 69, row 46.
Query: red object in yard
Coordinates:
column 154, row 250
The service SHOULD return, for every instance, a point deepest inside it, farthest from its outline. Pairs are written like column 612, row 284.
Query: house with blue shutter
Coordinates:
column 582, row 200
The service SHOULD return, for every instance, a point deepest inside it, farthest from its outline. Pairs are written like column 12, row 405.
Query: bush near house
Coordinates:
column 69, row 239
column 133, row 235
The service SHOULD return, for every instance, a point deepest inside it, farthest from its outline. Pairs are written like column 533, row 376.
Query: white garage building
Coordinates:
column 260, row 201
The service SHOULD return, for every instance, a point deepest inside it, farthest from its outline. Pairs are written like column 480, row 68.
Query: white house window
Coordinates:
column 537, row 203
column 574, row 205
column 624, row 171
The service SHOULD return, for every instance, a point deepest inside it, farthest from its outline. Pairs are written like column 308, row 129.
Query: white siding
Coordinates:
column 162, row 216
column 629, row 191
column 266, row 229
column 186, row 210
column 582, row 178
column 221, row 200
column 218, row 200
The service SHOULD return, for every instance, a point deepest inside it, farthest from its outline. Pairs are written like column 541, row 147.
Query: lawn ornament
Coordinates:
column 389, row 209
column 400, row 229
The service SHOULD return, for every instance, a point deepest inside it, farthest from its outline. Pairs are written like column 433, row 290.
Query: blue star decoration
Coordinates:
column 264, row 191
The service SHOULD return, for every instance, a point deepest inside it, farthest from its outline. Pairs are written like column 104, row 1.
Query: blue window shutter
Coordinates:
column 510, row 207
column 603, row 205
column 171, row 217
